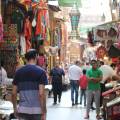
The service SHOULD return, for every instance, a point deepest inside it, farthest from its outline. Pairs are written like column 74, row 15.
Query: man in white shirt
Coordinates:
column 74, row 73
column 108, row 74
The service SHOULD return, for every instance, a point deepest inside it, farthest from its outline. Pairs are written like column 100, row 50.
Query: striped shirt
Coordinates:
column 27, row 79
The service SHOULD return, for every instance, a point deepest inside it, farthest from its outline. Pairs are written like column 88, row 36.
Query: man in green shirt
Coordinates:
column 94, row 76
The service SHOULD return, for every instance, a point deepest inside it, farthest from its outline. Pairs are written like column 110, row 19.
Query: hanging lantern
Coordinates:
column 74, row 17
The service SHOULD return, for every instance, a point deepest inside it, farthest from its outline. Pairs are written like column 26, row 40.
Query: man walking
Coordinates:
column 56, row 79
column 29, row 82
column 74, row 73
column 94, row 76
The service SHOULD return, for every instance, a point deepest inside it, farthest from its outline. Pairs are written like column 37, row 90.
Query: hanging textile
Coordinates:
column 10, row 33
column 42, row 21
column 22, row 45
column 27, row 33
column 17, row 18
column 1, row 28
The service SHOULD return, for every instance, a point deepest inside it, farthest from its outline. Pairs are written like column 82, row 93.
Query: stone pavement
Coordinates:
column 65, row 111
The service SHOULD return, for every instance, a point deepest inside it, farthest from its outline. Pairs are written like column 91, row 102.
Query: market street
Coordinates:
column 65, row 111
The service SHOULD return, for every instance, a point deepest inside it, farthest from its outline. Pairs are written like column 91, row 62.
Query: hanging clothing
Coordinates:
column 39, row 25
column 42, row 18
column 3, row 76
column 23, row 44
column 17, row 18
column 27, row 33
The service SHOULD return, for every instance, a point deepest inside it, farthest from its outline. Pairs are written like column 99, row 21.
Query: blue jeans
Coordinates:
column 74, row 89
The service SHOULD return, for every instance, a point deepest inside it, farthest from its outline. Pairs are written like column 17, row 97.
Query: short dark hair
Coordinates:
column 84, row 71
column 77, row 62
column 95, row 61
column 31, row 54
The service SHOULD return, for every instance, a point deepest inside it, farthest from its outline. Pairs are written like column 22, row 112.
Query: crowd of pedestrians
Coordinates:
column 89, row 80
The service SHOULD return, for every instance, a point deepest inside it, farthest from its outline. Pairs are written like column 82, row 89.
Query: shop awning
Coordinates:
column 69, row 3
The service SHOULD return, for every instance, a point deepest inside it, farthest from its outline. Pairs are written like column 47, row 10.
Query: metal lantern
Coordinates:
column 74, row 17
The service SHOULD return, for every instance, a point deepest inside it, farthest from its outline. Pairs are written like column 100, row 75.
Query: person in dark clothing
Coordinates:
column 56, row 79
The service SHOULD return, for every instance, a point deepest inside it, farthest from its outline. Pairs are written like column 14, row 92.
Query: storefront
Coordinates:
column 25, row 26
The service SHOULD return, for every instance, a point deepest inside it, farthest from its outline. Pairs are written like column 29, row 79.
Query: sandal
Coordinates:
column 98, row 117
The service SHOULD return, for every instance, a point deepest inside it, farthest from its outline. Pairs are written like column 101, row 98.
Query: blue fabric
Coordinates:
column 74, row 90
column 57, row 74
column 27, row 79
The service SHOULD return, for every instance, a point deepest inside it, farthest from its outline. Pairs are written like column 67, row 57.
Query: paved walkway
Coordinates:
column 65, row 111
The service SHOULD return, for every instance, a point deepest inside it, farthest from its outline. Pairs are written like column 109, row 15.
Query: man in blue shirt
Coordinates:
column 29, row 82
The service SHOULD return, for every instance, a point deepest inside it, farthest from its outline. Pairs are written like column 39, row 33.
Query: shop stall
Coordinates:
column 25, row 25
column 111, row 104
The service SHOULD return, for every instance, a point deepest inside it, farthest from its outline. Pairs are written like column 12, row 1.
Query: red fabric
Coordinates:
column 27, row 1
column 41, row 60
column 27, row 33
column 83, row 82
column 38, row 25
column 42, row 13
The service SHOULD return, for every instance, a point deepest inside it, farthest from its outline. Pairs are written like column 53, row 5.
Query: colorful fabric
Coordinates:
column 10, row 33
column 27, row 33
column 95, row 74
column 36, row 1
column 17, row 18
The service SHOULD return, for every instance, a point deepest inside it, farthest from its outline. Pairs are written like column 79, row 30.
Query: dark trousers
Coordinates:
column 102, row 86
column 83, row 94
column 23, row 116
column 57, row 95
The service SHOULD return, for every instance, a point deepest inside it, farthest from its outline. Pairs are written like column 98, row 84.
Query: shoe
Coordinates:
column 86, row 117
column 59, row 101
column 54, row 103
column 73, row 104
column 76, row 103
column 98, row 117
column 93, row 108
